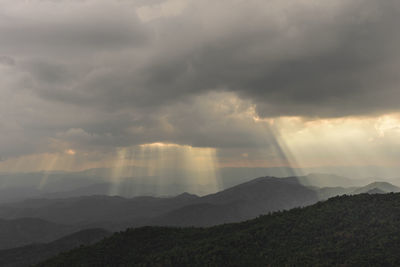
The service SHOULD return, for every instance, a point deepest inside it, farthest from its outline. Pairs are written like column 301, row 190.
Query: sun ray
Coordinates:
column 118, row 170
column 50, row 165
column 164, row 165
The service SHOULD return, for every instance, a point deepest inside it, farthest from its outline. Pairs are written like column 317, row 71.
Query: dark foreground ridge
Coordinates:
column 360, row 230
column 35, row 253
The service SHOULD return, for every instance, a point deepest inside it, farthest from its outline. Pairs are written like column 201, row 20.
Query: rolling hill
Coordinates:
column 23, row 231
column 357, row 230
column 94, row 209
column 241, row 202
column 34, row 253
column 381, row 186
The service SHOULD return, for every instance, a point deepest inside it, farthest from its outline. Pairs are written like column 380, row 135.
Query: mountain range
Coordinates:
column 240, row 202
column 45, row 220
column 57, row 184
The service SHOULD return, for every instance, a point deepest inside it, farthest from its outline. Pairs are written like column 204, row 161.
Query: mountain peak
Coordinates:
column 385, row 187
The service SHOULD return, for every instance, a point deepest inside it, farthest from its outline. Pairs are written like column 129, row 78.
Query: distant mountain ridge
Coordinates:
column 238, row 203
column 372, row 188
column 60, row 184
column 93, row 209
column 327, row 180
column 241, row 202
column 22, row 231
column 251, row 199
column 382, row 186
column 375, row 191
column 248, row 200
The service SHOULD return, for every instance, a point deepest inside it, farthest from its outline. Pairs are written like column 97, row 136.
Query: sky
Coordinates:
column 198, row 85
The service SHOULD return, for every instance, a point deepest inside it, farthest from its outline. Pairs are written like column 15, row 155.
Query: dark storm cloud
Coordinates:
column 95, row 73
column 322, row 60
column 312, row 60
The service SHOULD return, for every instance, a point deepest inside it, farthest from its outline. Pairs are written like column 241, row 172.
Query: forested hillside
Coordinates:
column 357, row 230
column 35, row 253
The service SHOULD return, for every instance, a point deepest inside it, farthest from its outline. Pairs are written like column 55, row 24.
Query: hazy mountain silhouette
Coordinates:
column 20, row 186
column 328, row 180
column 94, row 209
column 241, row 202
column 375, row 191
column 32, row 254
column 260, row 196
column 126, row 189
column 382, row 186
column 22, row 231
column 18, row 193
column 328, row 192
column 372, row 188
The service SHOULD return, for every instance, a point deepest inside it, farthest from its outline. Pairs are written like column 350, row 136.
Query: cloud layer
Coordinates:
column 99, row 74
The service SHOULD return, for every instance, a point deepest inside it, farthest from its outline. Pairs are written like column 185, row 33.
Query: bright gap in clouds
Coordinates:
column 166, row 164
column 295, row 142
column 357, row 142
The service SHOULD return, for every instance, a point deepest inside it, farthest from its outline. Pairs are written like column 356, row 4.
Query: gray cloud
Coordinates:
column 315, row 60
column 92, row 74
column 4, row 60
